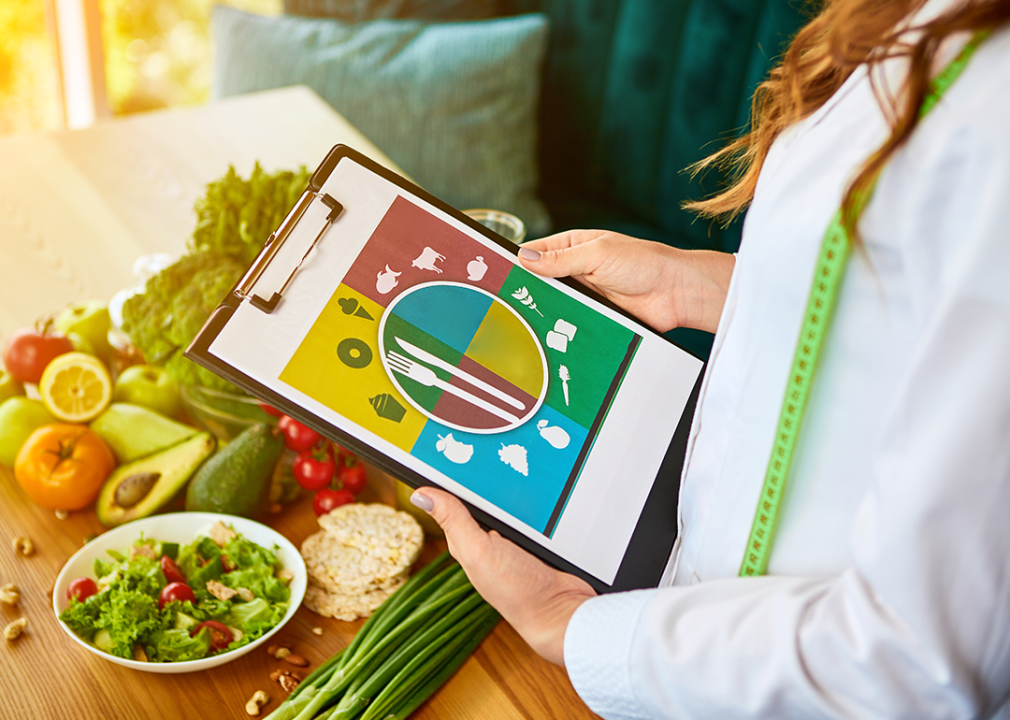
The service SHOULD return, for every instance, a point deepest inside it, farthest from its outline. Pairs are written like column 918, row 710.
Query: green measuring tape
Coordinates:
column 830, row 269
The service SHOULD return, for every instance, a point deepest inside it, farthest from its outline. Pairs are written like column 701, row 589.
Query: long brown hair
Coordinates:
column 824, row 53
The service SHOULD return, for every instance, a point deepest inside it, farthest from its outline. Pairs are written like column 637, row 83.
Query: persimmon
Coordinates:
column 63, row 466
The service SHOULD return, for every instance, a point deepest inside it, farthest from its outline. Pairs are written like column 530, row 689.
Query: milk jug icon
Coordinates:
column 476, row 269
column 386, row 281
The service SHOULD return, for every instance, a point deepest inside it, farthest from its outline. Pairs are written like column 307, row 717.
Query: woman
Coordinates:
column 888, row 589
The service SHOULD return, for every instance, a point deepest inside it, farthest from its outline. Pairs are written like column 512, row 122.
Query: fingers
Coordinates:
column 567, row 254
column 462, row 532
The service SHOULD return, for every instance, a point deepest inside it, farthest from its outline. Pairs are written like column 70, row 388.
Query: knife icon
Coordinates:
column 461, row 374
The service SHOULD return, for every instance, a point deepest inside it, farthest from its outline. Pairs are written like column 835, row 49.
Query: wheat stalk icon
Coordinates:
column 523, row 295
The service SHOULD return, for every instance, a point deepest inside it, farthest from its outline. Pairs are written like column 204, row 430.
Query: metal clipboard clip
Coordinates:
column 275, row 243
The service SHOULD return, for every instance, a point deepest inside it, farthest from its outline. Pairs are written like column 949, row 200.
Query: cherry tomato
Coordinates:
column 82, row 588
column 27, row 352
column 326, row 500
column 171, row 570
column 314, row 469
column 220, row 635
column 270, row 410
column 226, row 564
column 175, row 592
column 297, row 437
column 352, row 475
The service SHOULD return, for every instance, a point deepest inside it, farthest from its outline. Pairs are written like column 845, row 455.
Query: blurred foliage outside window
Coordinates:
column 29, row 96
column 157, row 54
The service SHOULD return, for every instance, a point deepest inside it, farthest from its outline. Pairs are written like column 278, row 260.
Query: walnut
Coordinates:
column 220, row 591
column 221, row 533
column 288, row 683
column 142, row 551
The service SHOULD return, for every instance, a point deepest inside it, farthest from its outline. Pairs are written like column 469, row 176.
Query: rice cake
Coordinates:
column 344, row 606
column 361, row 549
column 377, row 530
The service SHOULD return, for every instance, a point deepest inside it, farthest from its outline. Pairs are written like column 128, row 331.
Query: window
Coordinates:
column 148, row 54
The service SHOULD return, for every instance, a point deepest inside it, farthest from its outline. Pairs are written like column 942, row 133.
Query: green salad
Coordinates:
column 164, row 603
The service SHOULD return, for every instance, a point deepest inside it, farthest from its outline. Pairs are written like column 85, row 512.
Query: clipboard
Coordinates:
column 405, row 331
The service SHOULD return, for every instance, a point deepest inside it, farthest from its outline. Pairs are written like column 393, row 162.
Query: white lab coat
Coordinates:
column 888, row 592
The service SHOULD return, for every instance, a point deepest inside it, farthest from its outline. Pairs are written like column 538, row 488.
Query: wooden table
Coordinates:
column 76, row 209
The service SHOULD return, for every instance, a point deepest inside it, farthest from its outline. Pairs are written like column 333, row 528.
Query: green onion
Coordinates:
column 402, row 654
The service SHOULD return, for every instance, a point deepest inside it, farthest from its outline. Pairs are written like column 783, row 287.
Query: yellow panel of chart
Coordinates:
column 338, row 365
column 504, row 346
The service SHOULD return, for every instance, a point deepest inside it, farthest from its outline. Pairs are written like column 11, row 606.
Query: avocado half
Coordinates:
column 141, row 488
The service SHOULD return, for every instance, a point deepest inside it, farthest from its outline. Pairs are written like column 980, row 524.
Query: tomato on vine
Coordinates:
column 326, row 500
column 297, row 437
column 314, row 469
column 352, row 474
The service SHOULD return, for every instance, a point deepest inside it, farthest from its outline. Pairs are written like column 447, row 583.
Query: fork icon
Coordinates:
column 426, row 376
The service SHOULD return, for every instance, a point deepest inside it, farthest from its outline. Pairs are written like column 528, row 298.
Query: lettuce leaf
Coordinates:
column 172, row 645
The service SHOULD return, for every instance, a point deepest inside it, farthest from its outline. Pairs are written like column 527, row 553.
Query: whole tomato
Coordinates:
column 326, row 500
column 82, row 588
column 314, row 469
column 27, row 352
column 175, row 592
column 63, row 467
column 297, row 437
column 352, row 474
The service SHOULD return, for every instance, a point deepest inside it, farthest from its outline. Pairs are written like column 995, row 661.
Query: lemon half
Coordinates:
column 76, row 387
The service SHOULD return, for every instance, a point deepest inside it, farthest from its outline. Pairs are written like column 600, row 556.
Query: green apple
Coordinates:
column 81, row 343
column 19, row 418
column 88, row 319
column 9, row 386
column 150, row 386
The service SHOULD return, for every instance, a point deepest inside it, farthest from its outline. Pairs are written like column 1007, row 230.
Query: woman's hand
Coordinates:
column 533, row 598
column 663, row 286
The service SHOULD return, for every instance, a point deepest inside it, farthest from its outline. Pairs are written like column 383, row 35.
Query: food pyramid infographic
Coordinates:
column 466, row 361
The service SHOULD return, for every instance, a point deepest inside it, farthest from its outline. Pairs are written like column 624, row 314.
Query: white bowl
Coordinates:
column 182, row 528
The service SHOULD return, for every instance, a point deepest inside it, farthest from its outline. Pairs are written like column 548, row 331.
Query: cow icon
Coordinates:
column 427, row 259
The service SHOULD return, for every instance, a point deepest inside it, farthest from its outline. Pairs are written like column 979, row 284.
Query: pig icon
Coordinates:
column 427, row 259
column 386, row 281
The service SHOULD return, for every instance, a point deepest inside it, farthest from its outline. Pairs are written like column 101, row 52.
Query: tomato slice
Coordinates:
column 171, row 570
column 175, row 592
column 220, row 635
column 82, row 588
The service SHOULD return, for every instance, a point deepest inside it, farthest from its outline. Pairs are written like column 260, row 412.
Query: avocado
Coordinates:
column 236, row 481
column 133, row 431
column 140, row 488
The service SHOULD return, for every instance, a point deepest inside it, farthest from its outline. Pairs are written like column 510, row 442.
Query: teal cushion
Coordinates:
column 635, row 91
column 361, row 10
column 453, row 104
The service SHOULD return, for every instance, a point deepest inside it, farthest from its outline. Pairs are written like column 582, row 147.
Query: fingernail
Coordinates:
column 529, row 254
column 422, row 501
